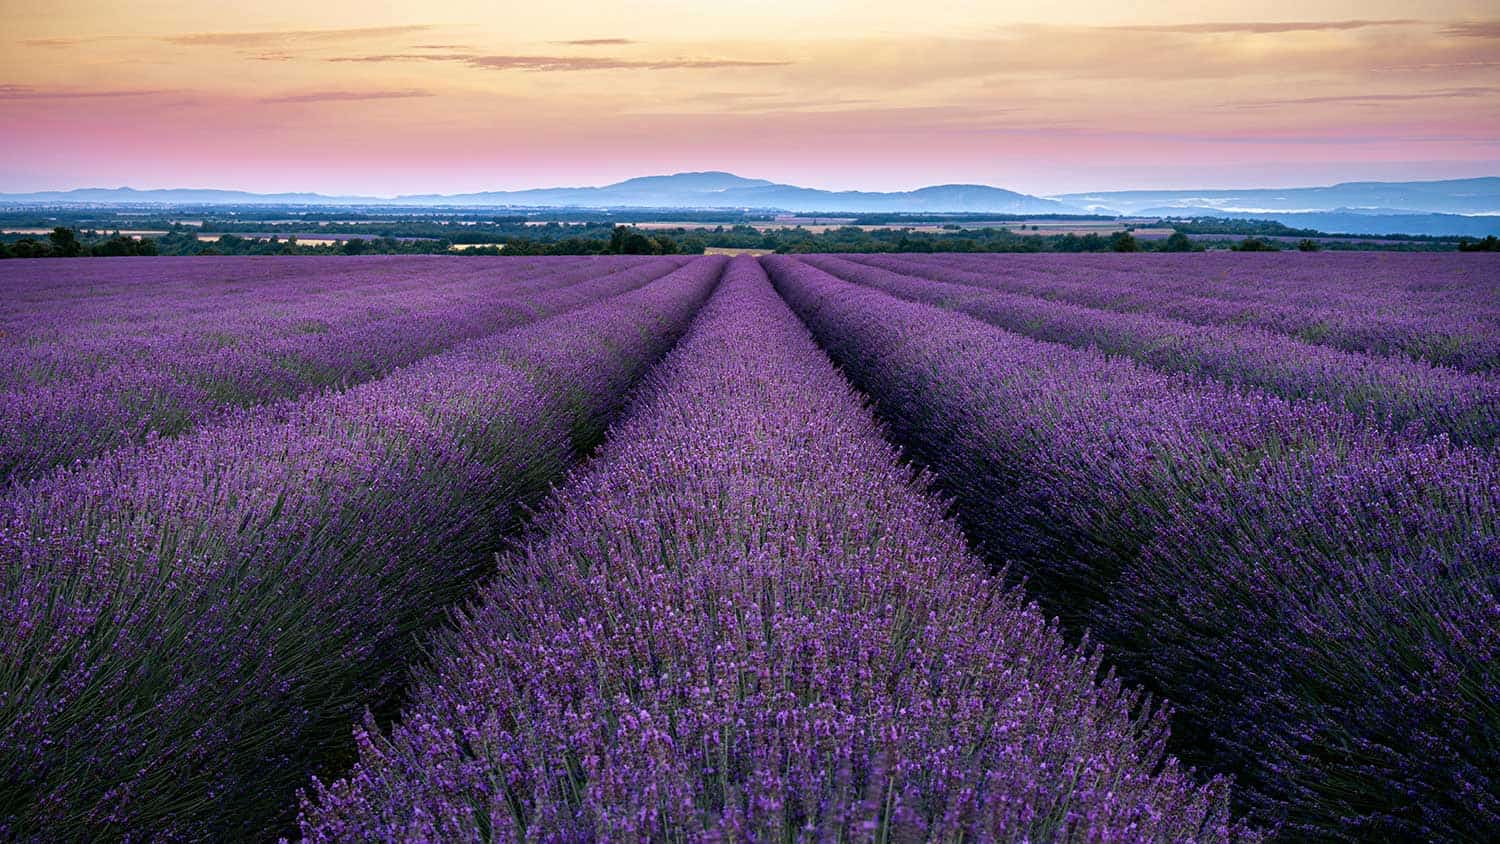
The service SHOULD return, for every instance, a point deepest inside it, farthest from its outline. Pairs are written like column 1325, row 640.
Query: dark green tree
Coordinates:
column 30, row 247
column 121, row 246
column 625, row 240
column 1255, row 244
column 65, row 243
column 617, row 239
column 1178, row 242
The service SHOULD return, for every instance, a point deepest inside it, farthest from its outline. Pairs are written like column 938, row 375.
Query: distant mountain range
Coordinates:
column 1352, row 221
column 682, row 190
column 715, row 189
column 1433, row 207
column 1451, row 196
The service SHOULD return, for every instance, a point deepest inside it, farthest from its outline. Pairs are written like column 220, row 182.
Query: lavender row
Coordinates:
column 746, row 621
column 1316, row 596
column 1437, row 308
column 167, row 384
column 1403, row 395
column 159, row 364
column 134, row 291
column 190, row 314
column 114, row 317
column 197, row 621
column 1390, row 285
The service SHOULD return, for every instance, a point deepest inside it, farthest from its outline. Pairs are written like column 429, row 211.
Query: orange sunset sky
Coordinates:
column 1044, row 97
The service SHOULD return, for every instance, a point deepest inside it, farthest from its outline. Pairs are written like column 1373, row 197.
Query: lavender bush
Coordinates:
column 1441, row 308
column 1320, row 598
column 80, row 377
column 1401, row 394
column 746, row 621
column 193, row 623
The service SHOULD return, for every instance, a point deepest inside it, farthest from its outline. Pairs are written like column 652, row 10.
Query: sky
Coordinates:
column 447, row 96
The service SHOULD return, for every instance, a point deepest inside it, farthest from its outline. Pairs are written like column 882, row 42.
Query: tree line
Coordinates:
column 65, row 243
column 594, row 239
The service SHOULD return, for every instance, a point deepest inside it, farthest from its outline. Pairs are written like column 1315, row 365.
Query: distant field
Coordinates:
column 731, row 250
column 304, row 239
column 135, row 233
column 818, row 225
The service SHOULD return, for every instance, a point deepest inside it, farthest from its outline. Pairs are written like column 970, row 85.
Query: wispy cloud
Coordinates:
column 1474, row 29
column 1065, row 57
column 1266, row 27
column 261, row 38
column 53, row 42
column 27, row 92
column 1334, row 138
column 561, row 63
column 1451, row 67
column 405, row 57
column 1472, row 92
column 345, row 96
column 272, row 37
column 574, row 63
column 596, row 42
column 747, row 103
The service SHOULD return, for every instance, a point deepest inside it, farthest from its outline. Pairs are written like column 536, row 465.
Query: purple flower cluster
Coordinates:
column 1401, row 394
column 1319, row 598
column 745, row 620
column 1440, row 307
column 142, row 348
column 192, row 624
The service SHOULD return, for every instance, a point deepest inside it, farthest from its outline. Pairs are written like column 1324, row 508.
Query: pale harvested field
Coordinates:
column 732, row 250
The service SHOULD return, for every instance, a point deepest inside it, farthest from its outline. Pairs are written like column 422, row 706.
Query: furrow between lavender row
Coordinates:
column 745, row 620
column 1391, row 283
column 181, row 385
column 131, row 292
column 1396, row 393
column 205, row 305
column 1315, row 595
column 1435, row 308
column 200, row 619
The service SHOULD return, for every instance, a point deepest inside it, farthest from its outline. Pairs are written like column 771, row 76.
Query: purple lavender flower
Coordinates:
column 1443, row 308
column 193, row 623
column 1316, row 595
column 157, row 347
column 1398, row 393
column 745, row 620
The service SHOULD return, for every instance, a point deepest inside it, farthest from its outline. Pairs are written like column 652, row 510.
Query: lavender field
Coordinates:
column 875, row 547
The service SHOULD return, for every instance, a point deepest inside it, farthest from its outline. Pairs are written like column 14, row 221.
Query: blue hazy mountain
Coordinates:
column 725, row 190
column 1348, row 221
column 1450, row 196
column 1449, row 207
column 682, row 190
